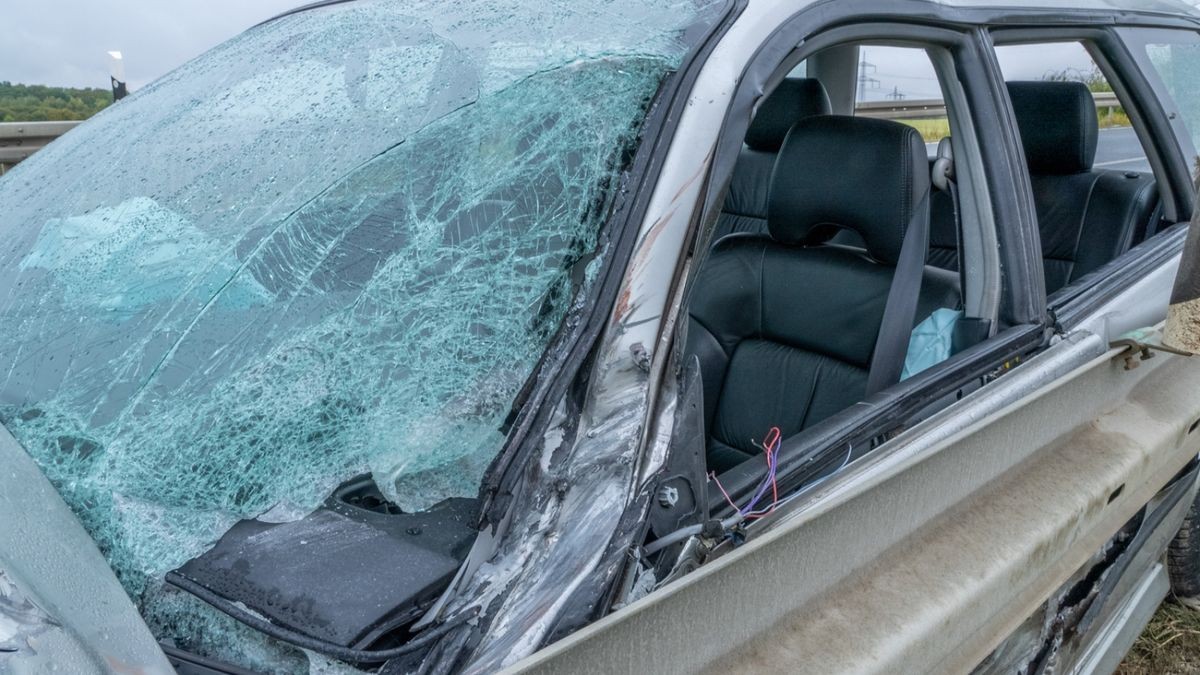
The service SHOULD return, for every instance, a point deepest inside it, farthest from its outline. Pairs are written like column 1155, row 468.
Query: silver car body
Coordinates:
column 925, row 556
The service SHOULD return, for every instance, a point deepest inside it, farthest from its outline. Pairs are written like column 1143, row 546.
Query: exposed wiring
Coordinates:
column 770, row 447
column 806, row 488
column 685, row 533
column 712, row 475
column 424, row 639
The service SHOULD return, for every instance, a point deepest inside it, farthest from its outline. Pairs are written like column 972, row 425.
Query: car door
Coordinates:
column 965, row 524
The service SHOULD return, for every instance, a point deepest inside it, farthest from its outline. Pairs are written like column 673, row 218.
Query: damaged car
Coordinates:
column 612, row 336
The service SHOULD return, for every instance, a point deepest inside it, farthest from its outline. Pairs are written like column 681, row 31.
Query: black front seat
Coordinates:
column 1086, row 217
column 785, row 325
column 745, row 208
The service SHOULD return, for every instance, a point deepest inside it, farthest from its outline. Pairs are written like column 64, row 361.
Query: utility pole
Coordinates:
column 865, row 81
column 896, row 94
column 116, row 73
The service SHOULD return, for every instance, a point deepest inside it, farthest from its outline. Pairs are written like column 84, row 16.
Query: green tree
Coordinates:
column 37, row 103
column 1092, row 77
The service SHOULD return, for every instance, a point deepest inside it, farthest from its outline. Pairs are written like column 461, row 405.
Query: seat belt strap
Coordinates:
column 899, row 314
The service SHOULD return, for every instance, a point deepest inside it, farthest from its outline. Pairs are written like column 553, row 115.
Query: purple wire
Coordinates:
column 766, row 483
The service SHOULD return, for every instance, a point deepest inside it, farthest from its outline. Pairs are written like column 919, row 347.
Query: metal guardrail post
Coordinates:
column 19, row 140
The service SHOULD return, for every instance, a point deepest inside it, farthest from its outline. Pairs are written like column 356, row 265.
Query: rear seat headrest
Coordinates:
column 1058, row 125
column 792, row 101
column 854, row 173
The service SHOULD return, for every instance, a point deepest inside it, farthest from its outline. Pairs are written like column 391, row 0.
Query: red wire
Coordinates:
column 772, row 458
column 713, row 476
column 773, row 435
column 771, row 446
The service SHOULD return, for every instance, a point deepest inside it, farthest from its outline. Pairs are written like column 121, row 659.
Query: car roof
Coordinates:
column 1178, row 8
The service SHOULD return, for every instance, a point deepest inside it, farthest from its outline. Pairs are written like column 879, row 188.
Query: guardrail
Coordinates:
column 19, row 140
column 933, row 109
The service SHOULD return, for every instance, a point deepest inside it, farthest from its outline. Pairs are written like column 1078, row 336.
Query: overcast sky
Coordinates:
column 65, row 42
column 905, row 73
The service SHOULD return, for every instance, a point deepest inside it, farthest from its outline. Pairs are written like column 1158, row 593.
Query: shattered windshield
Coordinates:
column 338, row 243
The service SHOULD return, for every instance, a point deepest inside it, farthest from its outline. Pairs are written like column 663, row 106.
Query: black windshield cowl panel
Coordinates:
column 187, row 663
column 349, row 574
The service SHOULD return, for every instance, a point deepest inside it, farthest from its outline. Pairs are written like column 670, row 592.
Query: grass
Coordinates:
column 931, row 129
column 1113, row 117
column 1170, row 645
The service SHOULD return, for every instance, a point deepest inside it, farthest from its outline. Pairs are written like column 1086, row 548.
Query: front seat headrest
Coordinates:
column 855, row 173
column 792, row 100
column 1058, row 125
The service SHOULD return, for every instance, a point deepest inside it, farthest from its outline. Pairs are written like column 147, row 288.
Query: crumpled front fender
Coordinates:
column 61, row 607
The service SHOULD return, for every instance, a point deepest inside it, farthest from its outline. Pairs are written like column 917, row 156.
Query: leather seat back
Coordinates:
column 943, row 232
column 1086, row 217
column 745, row 208
column 785, row 324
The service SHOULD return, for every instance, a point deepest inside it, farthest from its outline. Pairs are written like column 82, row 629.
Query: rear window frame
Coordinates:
column 1069, row 306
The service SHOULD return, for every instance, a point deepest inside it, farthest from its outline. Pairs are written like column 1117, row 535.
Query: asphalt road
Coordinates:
column 1120, row 150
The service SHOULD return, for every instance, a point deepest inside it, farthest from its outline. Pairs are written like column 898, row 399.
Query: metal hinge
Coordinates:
column 1135, row 352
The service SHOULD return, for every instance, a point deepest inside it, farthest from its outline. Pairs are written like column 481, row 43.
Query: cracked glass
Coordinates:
column 1178, row 64
column 338, row 243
